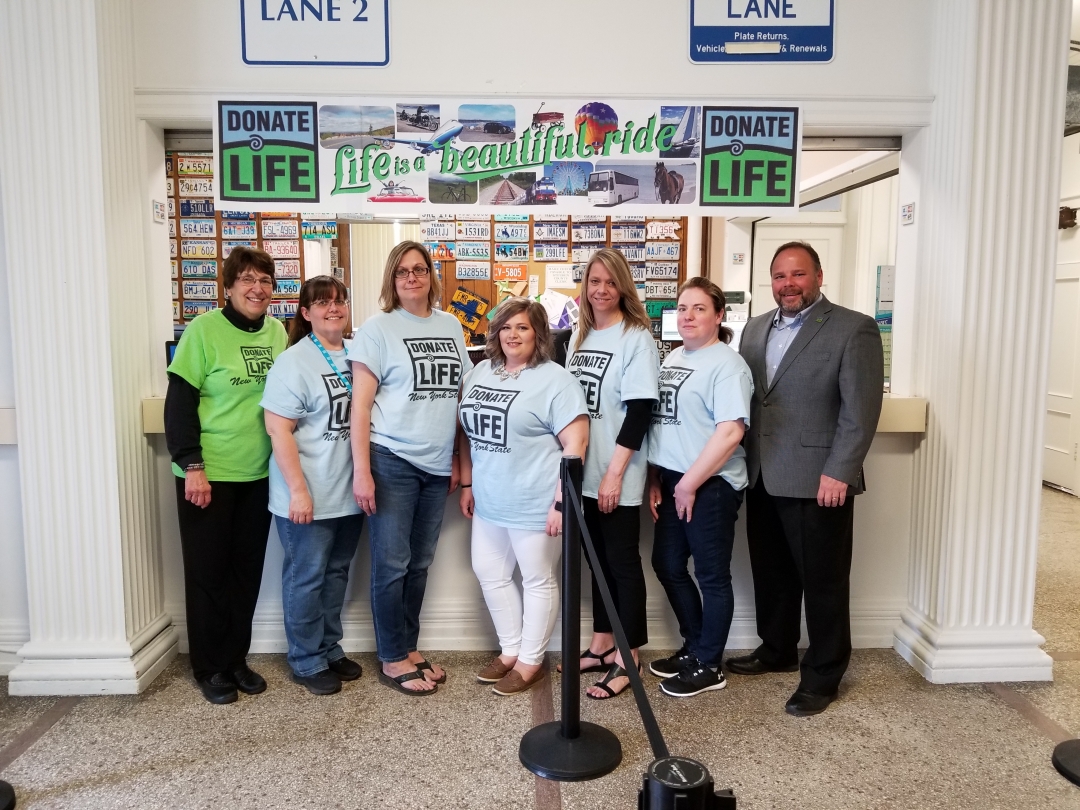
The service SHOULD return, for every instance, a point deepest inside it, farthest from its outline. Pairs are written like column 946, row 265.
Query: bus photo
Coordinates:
column 607, row 187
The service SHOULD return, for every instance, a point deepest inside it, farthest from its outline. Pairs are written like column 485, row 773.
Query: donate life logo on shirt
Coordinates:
column 340, row 406
column 666, row 408
column 436, row 367
column 484, row 416
column 590, row 367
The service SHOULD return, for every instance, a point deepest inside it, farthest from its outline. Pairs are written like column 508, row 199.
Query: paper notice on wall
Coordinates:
column 560, row 275
column 534, row 286
column 554, row 303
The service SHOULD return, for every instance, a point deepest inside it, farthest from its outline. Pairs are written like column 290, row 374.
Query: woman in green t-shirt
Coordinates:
column 220, row 451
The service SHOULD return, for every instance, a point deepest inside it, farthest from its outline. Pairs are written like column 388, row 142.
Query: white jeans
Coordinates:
column 524, row 622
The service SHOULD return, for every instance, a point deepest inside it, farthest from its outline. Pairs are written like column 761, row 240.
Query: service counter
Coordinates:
column 455, row 616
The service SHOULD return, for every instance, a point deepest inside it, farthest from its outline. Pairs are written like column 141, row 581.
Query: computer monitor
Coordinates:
column 669, row 329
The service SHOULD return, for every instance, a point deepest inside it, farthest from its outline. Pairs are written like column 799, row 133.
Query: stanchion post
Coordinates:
column 572, row 473
column 568, row 750
column 7, row 796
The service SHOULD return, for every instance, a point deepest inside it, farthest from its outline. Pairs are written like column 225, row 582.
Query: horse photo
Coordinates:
column 668, row 184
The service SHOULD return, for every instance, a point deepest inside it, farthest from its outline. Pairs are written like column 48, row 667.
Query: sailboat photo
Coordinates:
column 686, row 141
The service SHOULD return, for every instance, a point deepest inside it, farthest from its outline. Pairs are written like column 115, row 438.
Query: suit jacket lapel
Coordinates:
column 756, row 361
column 817, row 318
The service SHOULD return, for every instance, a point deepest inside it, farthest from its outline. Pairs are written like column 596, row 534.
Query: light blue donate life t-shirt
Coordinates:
column 419, row 363
column 302, row 386
column 613, row 366
column 513, row 428
column 699, row 390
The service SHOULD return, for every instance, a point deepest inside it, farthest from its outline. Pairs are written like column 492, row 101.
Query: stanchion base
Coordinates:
column 1067, row 760
column 7, row 796
column 550, row 755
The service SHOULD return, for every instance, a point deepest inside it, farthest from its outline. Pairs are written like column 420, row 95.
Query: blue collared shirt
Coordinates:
column 783, row 333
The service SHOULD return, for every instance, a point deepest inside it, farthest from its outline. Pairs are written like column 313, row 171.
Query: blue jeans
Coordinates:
column 405, row 529
column 314, row 576
column 705, row 618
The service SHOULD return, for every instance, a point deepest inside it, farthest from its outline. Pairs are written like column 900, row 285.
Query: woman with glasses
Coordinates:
column 307, row 402
column 407, row 364
column 220, row 451
column 520, row 414
column 614, row 357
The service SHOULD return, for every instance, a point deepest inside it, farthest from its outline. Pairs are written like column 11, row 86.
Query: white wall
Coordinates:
column 444, row 48
column 14, row 616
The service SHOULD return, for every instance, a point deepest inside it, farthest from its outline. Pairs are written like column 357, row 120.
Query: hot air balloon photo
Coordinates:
column 599, row 119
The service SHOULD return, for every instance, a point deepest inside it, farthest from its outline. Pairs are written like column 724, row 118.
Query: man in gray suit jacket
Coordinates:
column 818, row 378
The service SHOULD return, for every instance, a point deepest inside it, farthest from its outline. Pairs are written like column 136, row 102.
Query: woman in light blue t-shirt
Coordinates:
column 613, row 355
column 306, row 404
column 697, row 474
column 408, row 361
column 520, row 414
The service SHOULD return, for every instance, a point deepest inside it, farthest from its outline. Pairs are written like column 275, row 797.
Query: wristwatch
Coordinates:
column 558, row 506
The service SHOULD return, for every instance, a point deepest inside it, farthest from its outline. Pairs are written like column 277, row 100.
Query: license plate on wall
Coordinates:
column 287, row 288
column 473, row 250
column 193, row 268
column 473, row 230
column 193, row 309
column 287, row 268
column 280, row 229
column 661, row 289
column 196, row 187
column 662, row 251
column 238, row 229
column 550, row 253
column 554, row 231
column 198, row 249
column 195, row 164
column 282, row 249
column 473, row 271
column 196, row 208
column 512, row 232
column 201, row 290
column 512, row 253
column 198, row 228
column 229, row 247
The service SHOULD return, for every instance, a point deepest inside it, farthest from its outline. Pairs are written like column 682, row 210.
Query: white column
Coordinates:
column 978, row 325
column 73, row 218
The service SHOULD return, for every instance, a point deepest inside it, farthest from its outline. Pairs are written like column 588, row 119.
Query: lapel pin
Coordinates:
column 819, row 320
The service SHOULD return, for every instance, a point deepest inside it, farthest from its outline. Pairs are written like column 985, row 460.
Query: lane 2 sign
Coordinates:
column 315, row 32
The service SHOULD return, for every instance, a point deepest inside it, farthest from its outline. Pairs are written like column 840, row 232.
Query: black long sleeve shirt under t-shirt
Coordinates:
column 183, row 431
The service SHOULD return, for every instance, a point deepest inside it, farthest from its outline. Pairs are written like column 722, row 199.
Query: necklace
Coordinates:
column 501, row 372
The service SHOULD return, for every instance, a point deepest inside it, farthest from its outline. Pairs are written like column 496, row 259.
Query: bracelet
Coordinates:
column 465, row 486
column 195, row 465
column 558, row 506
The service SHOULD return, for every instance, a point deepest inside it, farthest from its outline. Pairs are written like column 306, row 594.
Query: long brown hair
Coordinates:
column 718, row 300
column 544, row 349
column 314, row 289
column 388, row 297
column 633, row 311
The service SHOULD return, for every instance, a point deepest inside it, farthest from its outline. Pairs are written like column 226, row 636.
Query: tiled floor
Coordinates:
column 892, row 741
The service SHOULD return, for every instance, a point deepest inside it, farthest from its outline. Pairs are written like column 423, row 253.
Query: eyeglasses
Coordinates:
column 418, row 272
column 325, row 302
column 251, row 281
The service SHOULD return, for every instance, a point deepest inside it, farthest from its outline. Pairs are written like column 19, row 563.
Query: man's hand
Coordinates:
column 831, row 492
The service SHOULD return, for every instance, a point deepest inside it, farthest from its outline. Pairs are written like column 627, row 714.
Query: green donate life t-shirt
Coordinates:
column 229, row 367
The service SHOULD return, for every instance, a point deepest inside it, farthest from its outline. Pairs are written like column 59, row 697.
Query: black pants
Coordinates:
column 224, row 547
column 799, row 549
column 616, row 535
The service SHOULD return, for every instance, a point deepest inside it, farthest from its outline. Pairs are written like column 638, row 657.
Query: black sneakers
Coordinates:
column 346, row 669
column 323, row 682
column 694, row 679
column 670, row 667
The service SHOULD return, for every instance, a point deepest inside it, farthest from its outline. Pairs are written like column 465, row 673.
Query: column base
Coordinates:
column 971, row 656
column 93, row 675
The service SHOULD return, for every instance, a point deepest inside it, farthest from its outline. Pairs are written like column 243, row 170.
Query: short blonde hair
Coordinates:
column 388, row 297
column 544, row 349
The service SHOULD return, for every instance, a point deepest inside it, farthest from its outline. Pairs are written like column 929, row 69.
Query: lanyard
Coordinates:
column 331, row 362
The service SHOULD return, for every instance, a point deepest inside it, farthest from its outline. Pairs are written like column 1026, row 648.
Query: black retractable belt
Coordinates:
column 570, row 750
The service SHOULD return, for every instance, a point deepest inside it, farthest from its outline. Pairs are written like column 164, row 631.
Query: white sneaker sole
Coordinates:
column 712, row 688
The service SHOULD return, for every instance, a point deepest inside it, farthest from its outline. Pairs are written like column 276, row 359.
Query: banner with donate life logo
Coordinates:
column 379, row 156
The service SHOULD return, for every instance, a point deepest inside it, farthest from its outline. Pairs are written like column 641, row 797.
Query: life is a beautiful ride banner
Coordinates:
column 437, row 155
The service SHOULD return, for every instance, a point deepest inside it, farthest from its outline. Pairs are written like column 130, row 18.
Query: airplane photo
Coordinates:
column 443, row 136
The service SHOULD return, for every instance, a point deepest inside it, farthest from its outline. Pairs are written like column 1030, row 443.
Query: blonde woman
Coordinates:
column 614, row 357
column 407, row 363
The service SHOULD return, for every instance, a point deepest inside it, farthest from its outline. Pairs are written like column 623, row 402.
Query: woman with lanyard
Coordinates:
column 521, row 413
column 613, row 355
column 307, row 403
column 697, row 474
column 408, row 362
column 215, row 433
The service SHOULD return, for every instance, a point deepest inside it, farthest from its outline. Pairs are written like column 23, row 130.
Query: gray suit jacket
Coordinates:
column 821, row 411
